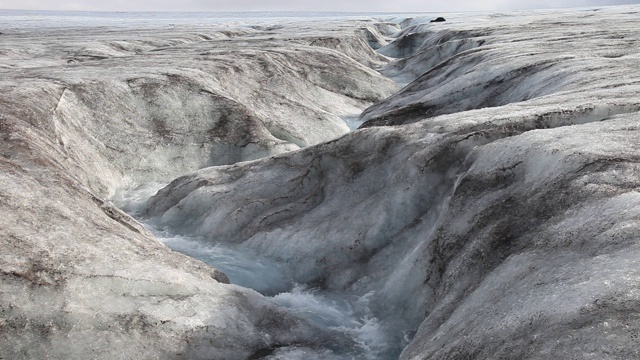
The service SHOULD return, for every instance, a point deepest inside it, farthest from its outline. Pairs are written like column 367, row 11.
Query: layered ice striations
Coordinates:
column 155, row 104
column 95, row 114
column 490, row 61
column 498, row 217
column 448, row 215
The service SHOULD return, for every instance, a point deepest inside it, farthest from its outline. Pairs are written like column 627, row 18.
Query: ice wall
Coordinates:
column 494, row 60
column 153, row 104
column 83, row 113
column 504, row 229
column 497, row 219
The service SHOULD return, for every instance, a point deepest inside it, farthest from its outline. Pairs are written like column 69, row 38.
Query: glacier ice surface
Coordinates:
column 496, row 218
column 497, row 146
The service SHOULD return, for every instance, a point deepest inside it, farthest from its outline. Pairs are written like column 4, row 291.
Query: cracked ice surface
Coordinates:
column 151, row 104
column 86, row 114
column 506, row 227
column 530, row 58
column 499, row 219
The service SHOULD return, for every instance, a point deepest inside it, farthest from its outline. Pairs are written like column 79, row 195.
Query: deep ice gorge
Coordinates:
column 497, row 218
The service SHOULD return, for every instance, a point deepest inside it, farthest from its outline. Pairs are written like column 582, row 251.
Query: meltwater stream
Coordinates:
column 347, row 314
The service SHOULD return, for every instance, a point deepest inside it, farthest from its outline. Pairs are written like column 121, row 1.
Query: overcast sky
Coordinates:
column 299, row 5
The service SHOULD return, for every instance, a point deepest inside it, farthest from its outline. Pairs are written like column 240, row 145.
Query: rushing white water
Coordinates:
column 345, row 313
column 241, row 265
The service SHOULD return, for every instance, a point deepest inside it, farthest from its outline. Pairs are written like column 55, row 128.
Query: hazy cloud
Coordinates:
column 299, row 5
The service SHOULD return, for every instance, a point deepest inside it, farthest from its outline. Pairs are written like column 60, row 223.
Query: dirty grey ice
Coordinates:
column 363, row 187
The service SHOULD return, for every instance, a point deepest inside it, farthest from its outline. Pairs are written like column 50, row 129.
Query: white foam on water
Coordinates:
column 345, row 313
column 242, row 265
column 348, row 314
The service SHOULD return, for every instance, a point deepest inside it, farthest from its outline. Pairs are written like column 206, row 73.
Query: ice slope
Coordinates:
column 502, row 231
column 150, row 105
column 505, row 229
column 83, row 113
column 494, row 60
